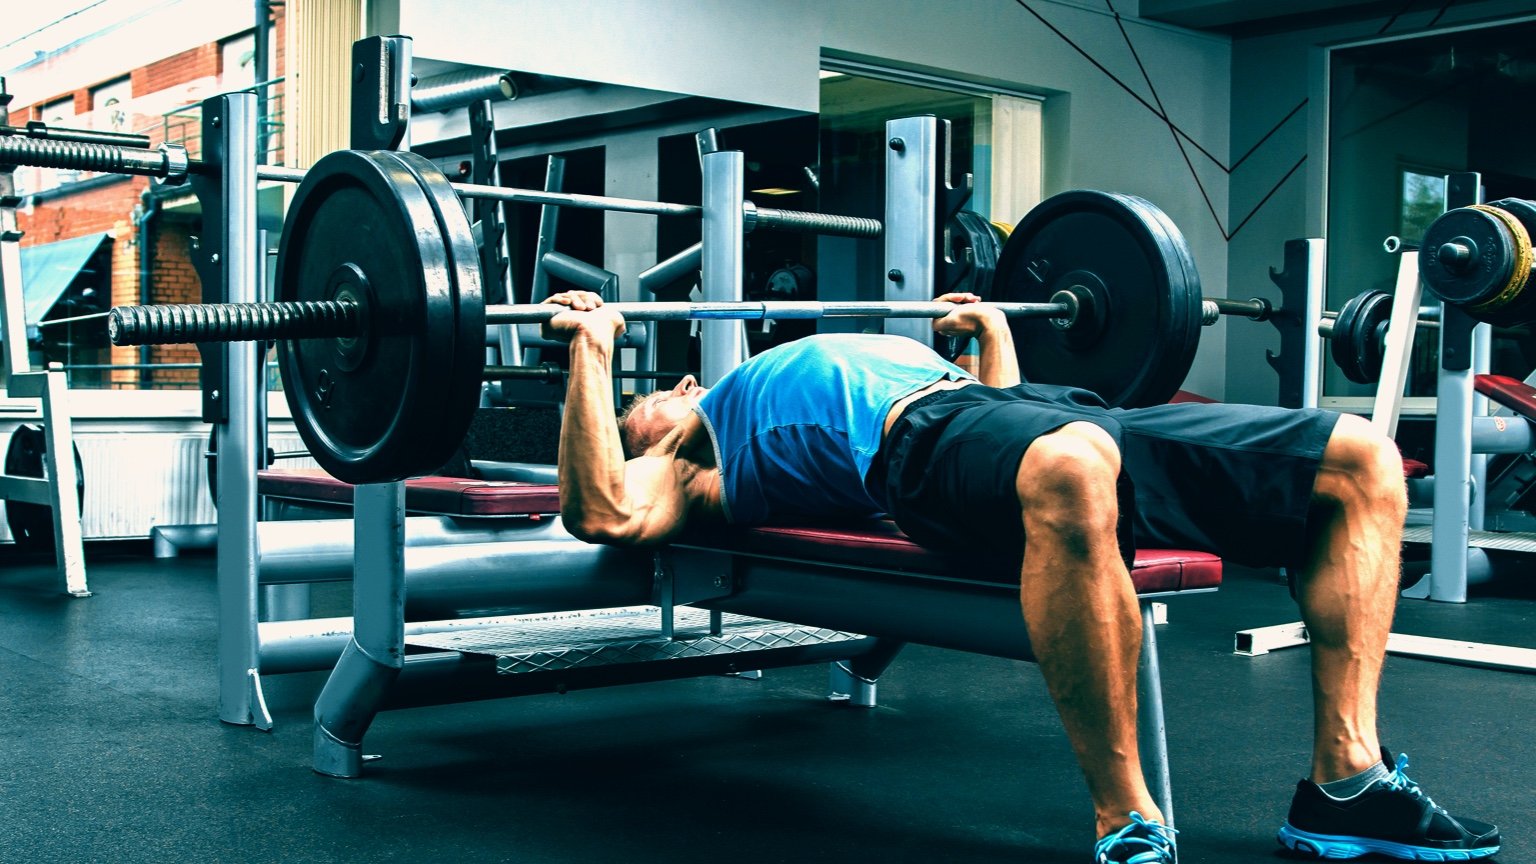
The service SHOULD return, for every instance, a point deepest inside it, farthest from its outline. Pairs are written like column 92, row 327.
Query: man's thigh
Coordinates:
column 1233, row 480
column 952, row 481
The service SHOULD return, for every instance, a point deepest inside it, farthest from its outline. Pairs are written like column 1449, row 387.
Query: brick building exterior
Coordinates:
column 133, row 212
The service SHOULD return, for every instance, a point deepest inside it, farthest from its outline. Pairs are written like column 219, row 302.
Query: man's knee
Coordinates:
column 1067, row 481
column 1362, row 468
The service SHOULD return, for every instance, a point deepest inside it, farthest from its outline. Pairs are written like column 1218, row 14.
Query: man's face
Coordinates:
column 660, row 412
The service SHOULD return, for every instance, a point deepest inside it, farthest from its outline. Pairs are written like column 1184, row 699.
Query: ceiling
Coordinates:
column 1248, row 16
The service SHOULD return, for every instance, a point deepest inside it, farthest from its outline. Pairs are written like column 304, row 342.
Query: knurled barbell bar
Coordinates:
column 182, row 323
column 380, row 319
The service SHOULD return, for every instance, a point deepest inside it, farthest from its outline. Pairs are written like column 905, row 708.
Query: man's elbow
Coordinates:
column 609, row 532
column 591, row 530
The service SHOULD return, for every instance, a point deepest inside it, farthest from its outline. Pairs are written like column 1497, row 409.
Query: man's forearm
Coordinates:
column 997, row 364
column 591, row 461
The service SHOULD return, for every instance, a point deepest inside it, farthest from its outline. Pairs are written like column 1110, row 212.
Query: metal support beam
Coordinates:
column 59, row 461
column 1453, row 432
column 1151, row 728
column 724, row 345
column 229, row 127
column 911, row 216
column 371, row 662
column 13, row 311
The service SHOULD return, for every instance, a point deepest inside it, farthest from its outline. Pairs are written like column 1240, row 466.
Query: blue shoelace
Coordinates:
column 1399, row 780
column 1152, row 840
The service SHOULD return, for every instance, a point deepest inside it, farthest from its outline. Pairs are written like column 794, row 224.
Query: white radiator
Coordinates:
column 135, row 480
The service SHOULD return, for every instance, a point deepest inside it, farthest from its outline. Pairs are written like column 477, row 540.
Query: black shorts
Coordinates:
column 1232, row 480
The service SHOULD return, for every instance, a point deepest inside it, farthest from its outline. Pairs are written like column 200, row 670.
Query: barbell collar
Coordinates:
column 1255, row 308
column 545, row 372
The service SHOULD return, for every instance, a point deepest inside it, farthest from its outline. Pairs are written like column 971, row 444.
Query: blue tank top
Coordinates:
column 796, row 428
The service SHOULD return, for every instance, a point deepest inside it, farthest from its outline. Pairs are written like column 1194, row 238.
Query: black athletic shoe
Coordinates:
column 1392, row 817
column 1141, row 842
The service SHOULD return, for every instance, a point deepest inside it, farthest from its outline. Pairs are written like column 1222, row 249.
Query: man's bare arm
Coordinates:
column 603, row 498
column 997, row 363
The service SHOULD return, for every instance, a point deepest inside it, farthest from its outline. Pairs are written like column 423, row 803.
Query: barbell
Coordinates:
column 1357, row 334
column 380, row 320
column 1481, row 259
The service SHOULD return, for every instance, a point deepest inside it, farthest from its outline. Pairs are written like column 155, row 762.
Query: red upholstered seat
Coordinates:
column 882, row 545
column 1513, row 394
column 873, row 544
column 449, row 496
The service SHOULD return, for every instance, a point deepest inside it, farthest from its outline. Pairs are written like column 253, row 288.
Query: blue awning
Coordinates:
column 48, row 270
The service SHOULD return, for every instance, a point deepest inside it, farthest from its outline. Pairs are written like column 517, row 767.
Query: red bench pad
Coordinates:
column 866, row 544
column 882, row 545
column 450, row 496
column 1512, row 393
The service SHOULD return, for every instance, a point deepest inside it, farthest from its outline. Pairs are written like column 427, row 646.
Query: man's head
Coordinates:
column 649, row 418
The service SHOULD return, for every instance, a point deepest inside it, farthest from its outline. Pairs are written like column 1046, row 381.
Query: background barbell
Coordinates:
column 170, row 163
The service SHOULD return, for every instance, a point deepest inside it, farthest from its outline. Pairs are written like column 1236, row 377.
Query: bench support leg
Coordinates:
column 1153, row 732
column 856, row 680
column 373, row 659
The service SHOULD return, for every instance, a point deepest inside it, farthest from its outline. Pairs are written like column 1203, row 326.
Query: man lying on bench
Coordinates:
column 838, row 426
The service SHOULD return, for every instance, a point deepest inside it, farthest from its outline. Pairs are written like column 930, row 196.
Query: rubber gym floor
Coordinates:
column 110, row 750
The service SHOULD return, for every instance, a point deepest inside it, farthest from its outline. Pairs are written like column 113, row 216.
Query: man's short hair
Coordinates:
column 634, row 443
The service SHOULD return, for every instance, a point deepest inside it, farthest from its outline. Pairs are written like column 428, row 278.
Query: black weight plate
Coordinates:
column 972, row 231
column 369, row 408
column 1479, row 279
column 32, row 524
column 464, row 383
column 973, row 249
column 1124, row 257
column 1356, row 342
column 1521, row 309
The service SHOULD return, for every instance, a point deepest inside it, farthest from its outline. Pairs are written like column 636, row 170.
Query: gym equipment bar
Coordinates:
column 168, row 161
column 1255, row 308
column 452, row 90
column 237, row 322
column 171, row 163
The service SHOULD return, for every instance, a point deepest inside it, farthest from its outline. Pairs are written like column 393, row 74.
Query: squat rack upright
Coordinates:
column 917, row 203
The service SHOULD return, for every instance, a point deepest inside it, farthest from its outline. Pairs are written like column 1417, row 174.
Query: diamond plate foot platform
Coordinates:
column 1504, row 541
column 573, row 641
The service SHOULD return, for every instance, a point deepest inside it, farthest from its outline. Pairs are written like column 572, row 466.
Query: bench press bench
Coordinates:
column 855, row 594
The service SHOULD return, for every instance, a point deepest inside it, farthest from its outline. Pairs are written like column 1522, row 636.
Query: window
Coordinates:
column 59, row 113
column 110, row 107
column 237, row 66
column 994, row 137
column 1402, row 114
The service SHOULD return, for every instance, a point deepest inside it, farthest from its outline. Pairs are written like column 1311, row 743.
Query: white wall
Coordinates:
column 769, row 52
column 104, row 42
